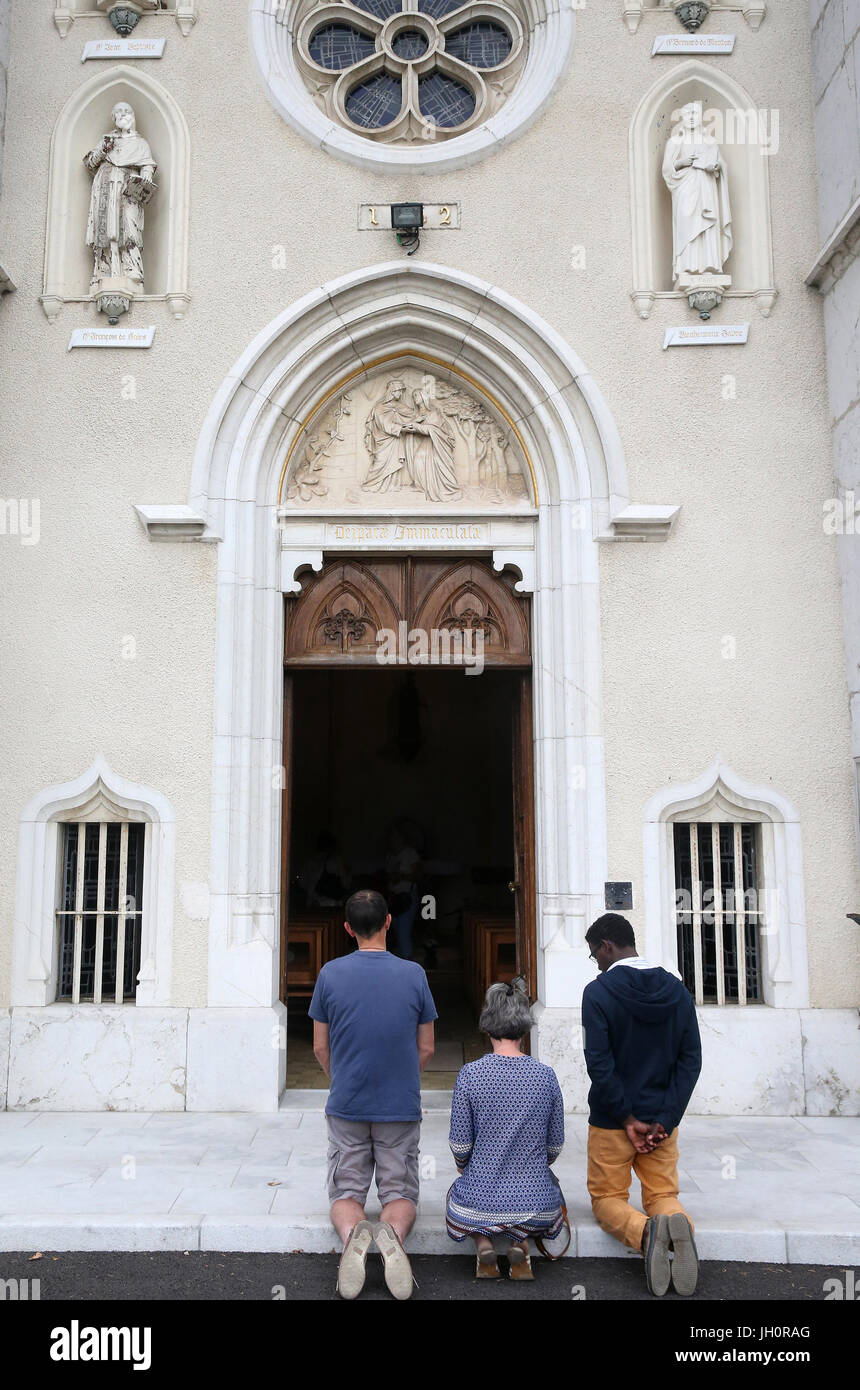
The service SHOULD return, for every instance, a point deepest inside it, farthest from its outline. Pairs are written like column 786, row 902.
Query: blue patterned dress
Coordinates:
column 507, row 1127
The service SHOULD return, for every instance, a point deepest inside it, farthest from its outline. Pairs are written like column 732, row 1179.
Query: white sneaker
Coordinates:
column 398, row 1270
column 351, row 1270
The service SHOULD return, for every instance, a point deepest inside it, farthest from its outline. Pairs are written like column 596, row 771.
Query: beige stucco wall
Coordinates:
column 836, row 69
column 748, row 558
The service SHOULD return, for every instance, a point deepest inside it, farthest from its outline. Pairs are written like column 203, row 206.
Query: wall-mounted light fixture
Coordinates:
column 406, row 221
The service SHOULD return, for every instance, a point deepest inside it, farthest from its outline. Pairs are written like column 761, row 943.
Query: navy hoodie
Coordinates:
column 642, row 1047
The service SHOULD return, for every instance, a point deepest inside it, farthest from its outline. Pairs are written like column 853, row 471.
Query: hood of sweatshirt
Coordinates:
column 649, row 995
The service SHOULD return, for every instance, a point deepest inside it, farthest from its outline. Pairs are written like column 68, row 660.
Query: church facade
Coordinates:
column 419, row 473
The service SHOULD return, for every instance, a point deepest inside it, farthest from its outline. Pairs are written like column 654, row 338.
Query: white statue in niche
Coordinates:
column 695, row 174
column 124, row 170
column 407, row 439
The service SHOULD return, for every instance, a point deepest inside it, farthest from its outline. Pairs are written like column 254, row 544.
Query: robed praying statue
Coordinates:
column 124, row 171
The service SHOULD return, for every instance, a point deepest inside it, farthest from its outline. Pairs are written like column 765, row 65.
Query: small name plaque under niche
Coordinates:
column 123, row 48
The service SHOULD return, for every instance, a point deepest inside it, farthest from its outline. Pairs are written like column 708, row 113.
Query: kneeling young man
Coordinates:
column 643, row 1055
column 373, row 1032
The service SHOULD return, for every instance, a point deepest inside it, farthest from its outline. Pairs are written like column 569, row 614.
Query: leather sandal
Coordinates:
column 519, row 1263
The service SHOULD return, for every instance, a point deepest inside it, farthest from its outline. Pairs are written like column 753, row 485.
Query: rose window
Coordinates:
column 406, row 70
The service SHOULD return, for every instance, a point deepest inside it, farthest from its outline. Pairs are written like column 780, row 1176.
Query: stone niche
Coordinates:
column 84, row 119
column 747, row 136
column 407, row 436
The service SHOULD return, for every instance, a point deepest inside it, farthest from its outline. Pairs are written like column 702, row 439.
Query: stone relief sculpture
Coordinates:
column 695, row 174
column 124, row 170
column 430, row 448
column 383, row 439
column 406, row 440
column 307, row 477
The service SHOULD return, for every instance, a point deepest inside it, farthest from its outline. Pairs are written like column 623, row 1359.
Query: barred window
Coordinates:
column 718, row 912
column 99, row 913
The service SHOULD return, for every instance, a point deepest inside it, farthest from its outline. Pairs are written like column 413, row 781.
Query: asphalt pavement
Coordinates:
column 97, row 1276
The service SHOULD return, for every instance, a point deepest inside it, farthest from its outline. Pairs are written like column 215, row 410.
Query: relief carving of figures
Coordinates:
column 492, row 463
column 124, row 170
column 307, row 478
column 694, row 171
column 430, row 449
column 412, row 439
column 383, row 439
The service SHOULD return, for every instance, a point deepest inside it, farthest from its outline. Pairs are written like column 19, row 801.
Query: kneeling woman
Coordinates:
column 507, row 1127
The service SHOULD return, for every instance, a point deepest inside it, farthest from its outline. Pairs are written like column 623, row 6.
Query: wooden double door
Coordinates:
column 344, row 621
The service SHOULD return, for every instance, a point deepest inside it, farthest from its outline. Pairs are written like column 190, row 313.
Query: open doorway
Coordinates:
column 400, row 774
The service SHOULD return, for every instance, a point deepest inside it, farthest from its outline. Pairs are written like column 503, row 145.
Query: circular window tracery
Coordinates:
column 407, row 70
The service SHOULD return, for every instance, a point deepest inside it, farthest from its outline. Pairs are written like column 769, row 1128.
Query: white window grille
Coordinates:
column 100, row 911
column 718, row 911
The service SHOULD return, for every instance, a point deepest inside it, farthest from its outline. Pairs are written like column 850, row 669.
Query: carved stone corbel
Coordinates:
column 644, row 302
column 522, row 560
column 754, row 14
column 186, row 18
column 294, row 560
column 765, row 300
column 632, row 15
column 52, row 305
column 64, row 19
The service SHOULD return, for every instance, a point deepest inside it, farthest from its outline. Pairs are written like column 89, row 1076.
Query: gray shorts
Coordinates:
column 357, row 1147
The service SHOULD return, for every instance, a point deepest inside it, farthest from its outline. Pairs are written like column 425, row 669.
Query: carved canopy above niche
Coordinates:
column 409, row 437
column 67, row 11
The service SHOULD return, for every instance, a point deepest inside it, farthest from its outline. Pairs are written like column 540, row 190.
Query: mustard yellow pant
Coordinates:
column 611, row 1157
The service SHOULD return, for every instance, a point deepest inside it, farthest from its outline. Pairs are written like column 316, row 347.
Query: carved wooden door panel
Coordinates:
column 524, row 883
column 286, row 806
column 338, row 615
column 469, row 598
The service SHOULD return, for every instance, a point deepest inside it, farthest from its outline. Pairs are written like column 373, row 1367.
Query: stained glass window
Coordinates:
column 339, row 46
column 438, row 8
column 383, row 9
column 444, row 101
column 482, row 45
column 409, row 43
column 376, row 102
column 416, row 70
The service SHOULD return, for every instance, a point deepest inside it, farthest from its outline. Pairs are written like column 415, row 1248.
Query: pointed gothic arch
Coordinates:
column 98, row 794
column 581, row 490
column 719, row 793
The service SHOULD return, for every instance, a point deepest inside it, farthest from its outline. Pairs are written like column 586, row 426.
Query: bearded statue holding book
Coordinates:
column 124, row 171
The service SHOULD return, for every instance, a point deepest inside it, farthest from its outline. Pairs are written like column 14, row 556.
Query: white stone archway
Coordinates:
column 581, row 499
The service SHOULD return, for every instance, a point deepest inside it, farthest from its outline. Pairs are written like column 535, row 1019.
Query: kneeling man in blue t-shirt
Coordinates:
column 373, row 1033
